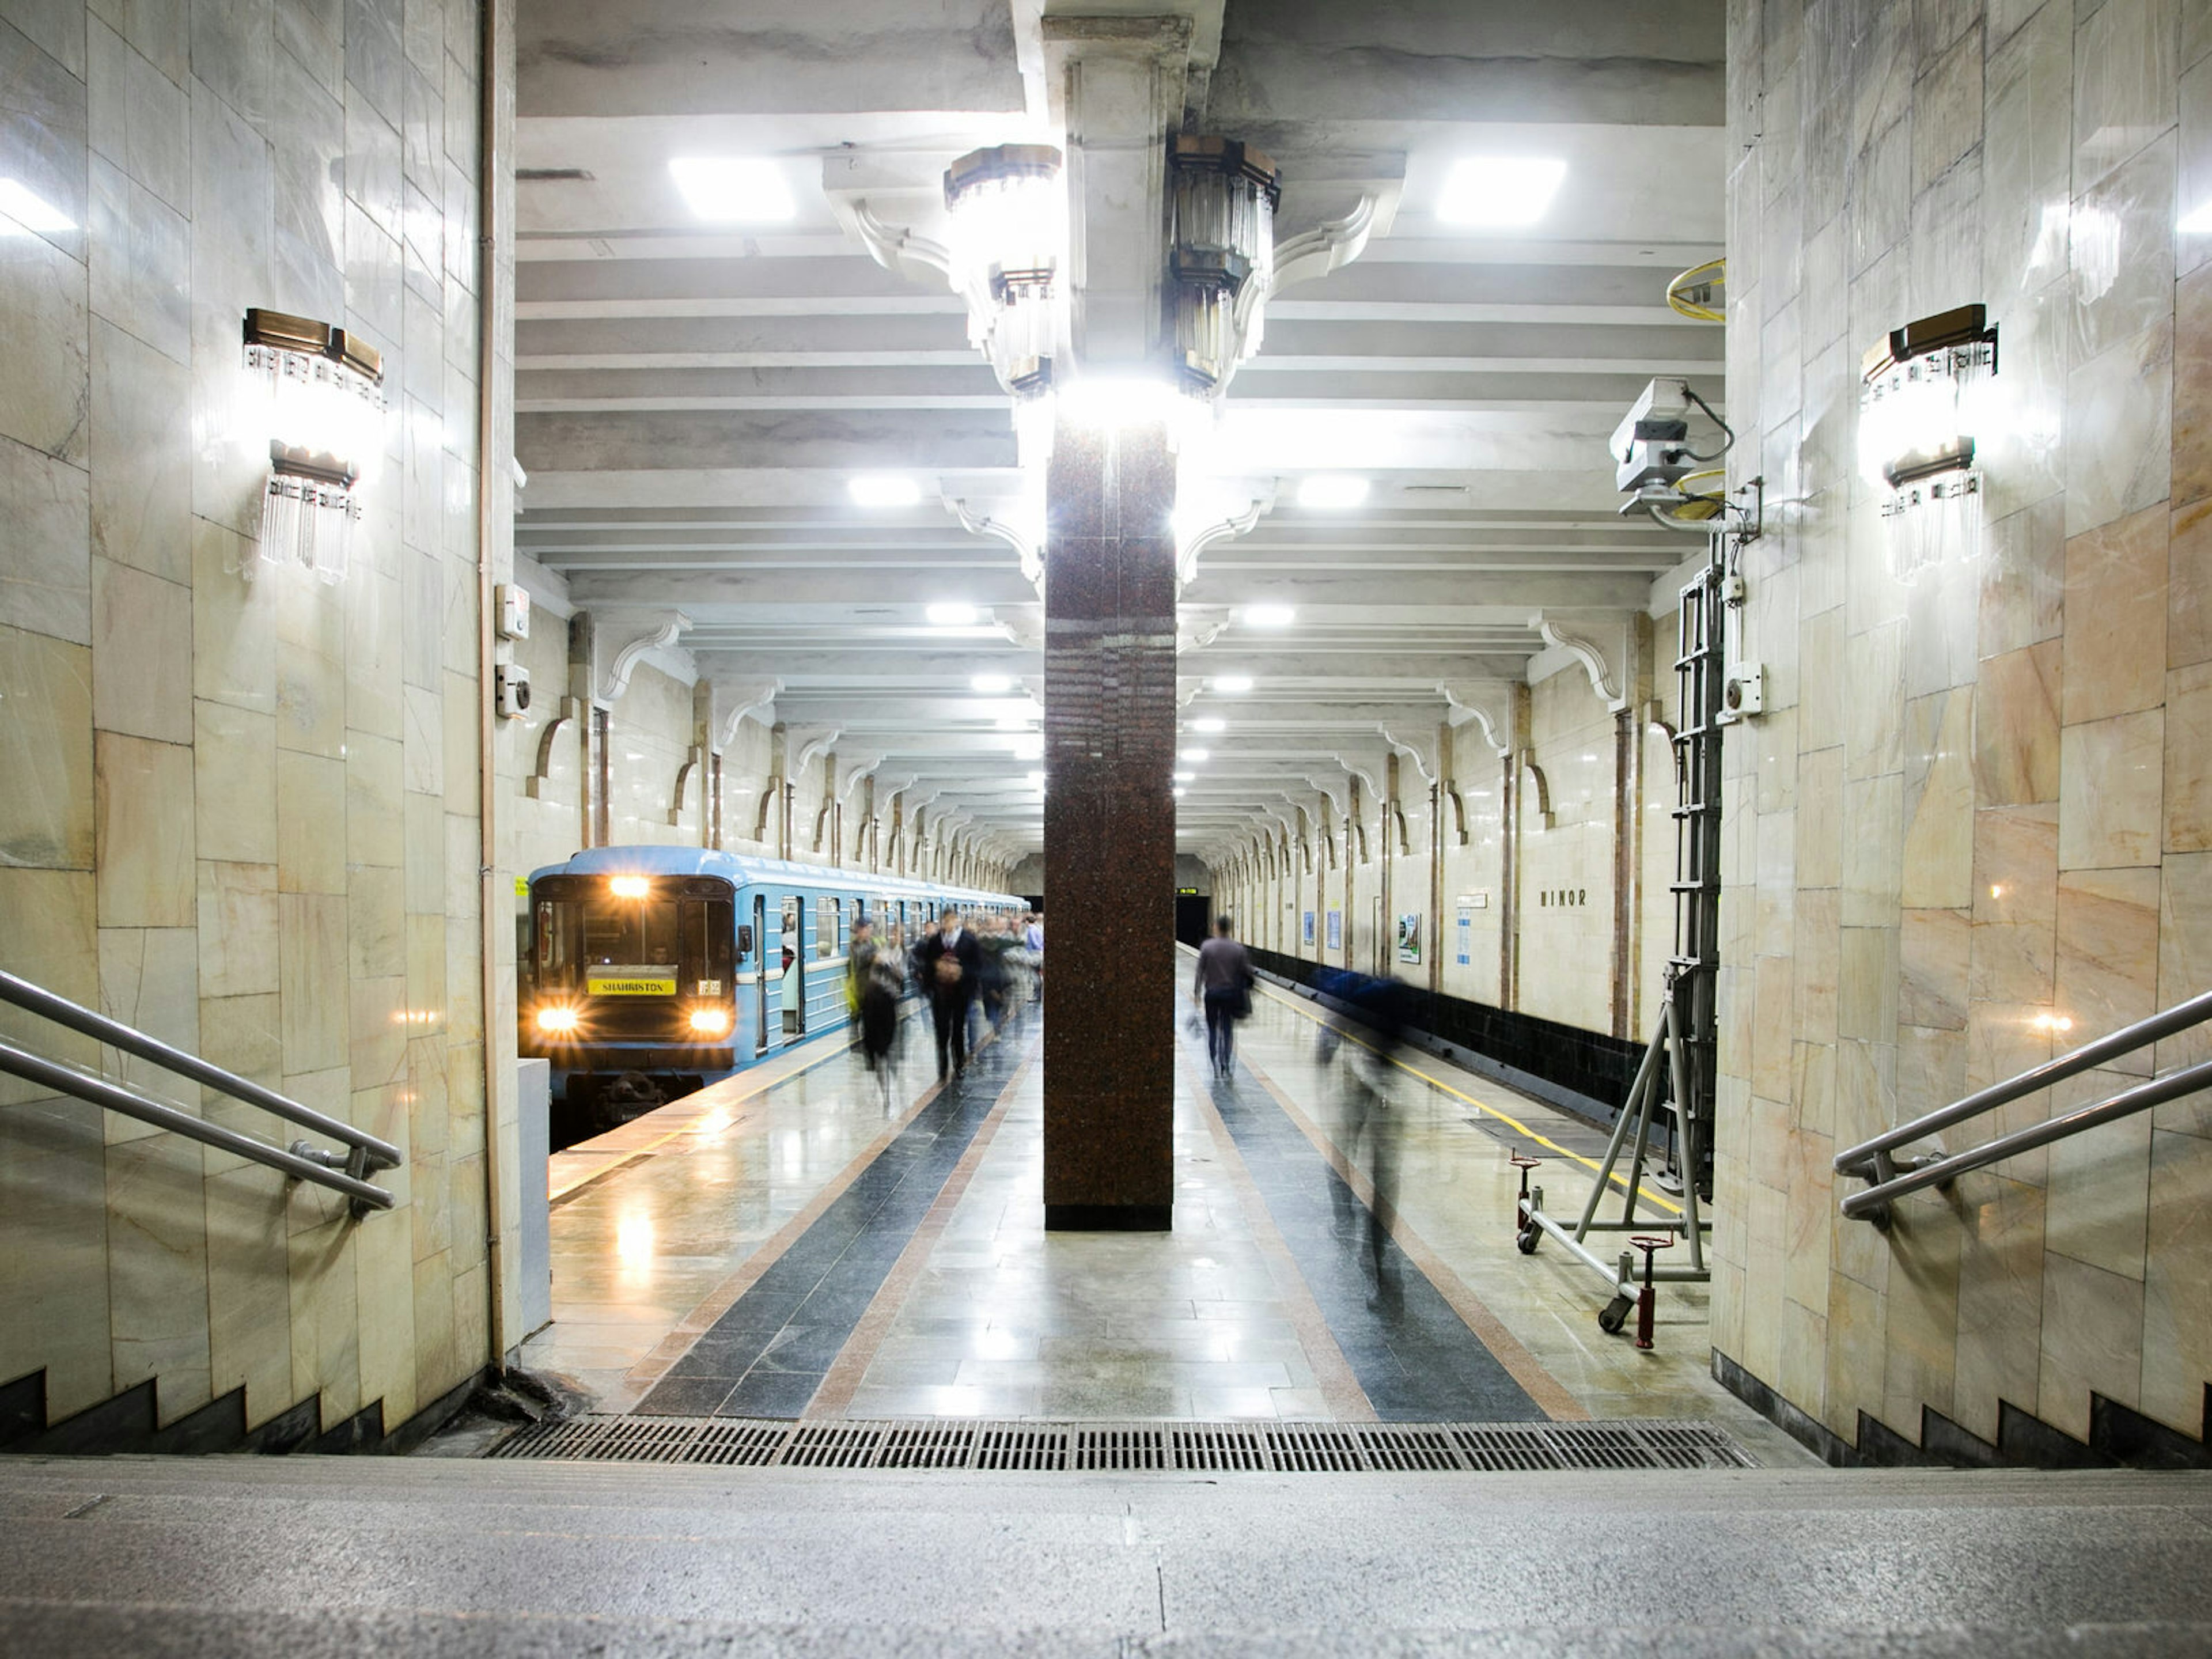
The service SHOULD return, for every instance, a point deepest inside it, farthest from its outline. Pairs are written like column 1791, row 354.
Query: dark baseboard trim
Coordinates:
column 2119, row 1435
column 1108, row 1217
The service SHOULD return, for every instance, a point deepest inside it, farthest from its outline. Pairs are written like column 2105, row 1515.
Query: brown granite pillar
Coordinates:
column 1109, row 663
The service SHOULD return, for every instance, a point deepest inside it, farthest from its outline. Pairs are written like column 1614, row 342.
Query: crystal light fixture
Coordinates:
column 1923, row 405
column 1009, row 217
column 325, row 402
column 1222, row 197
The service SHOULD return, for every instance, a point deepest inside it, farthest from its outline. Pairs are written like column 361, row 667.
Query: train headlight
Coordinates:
column 710, row 1022
column 630, row 887
column 559, row 1021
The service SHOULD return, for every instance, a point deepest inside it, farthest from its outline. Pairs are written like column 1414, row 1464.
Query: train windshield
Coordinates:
column 669, row 936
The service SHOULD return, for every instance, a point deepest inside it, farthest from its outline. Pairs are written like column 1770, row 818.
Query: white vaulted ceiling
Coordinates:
column 693, row 400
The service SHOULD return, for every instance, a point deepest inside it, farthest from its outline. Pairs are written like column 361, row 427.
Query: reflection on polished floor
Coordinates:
column 791, row 1245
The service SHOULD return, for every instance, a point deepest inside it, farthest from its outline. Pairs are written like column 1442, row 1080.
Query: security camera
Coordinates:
column 512, row 682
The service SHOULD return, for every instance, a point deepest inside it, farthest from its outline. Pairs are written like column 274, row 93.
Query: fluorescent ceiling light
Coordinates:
column 1269, row 616
column 885, row 489
column 1195, row 755
column 1186, row 777
column 2198, row 222
column 30, row 211
column 1498, row 190
column 1177, row 792
column 734, row 189
column 950, row 614
column 1114, row 401
column 1209, row 723
column 1332, row 489
column 992, row 685
column 1234, row 685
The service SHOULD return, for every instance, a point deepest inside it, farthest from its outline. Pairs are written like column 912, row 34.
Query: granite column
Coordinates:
column 1109, row 828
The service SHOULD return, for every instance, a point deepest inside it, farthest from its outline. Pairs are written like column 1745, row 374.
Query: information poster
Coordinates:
column 1409, row 937
column 1465, row 953
column 1308, row 932
column 1336, row 930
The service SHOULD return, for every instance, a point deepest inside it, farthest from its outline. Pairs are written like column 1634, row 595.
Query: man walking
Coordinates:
column 951, row 964
column 1224, row 984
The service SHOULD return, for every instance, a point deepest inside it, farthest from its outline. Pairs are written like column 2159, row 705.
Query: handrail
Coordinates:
column 1859, row 1160
column 1870, row 1159
column 37, row 1000
column 67, row 1080
column 2140, row 1098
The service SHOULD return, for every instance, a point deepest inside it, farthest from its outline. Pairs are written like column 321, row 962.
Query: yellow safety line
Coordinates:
column 1519, row 1128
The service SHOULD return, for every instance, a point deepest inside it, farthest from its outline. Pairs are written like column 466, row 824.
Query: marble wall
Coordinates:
column 1561, row 884
column 241, row 806
column 1971, row 829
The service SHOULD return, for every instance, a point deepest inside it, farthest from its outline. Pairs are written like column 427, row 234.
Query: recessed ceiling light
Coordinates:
column 1499, row 190
column 734, row 189
column 992, row 685
column 885, row 489
column 1209, row 723
column 30, row 211
column 1195, row 755
column 1332, row 489
column 1186, row 777
column 951, row 613
column 1234, row 685
column 1177, row 792
column 1269, row 616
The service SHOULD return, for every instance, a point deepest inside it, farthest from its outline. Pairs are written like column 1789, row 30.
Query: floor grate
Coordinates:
column 1163, row 1447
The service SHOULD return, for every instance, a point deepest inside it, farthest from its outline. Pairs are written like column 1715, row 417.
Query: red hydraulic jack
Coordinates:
column 1524, row 1230
column 1644, row 1297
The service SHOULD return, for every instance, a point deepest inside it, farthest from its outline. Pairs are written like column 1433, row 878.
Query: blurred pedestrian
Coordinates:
column 1222, row 985
column 1368, row 1132
column 950, row 964
column 875, row 976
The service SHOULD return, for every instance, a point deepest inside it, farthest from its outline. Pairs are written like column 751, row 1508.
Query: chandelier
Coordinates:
column 1009, row 219
column 1222, row 197
column 321, row 394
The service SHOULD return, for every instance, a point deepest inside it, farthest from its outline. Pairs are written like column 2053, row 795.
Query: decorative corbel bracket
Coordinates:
column 620, row 640
column 569, row 709
column 1543, row 789
column 895, row 247
column 807, row 744
column 694, row 759
column 1488, row 704
column 1029, row 546
column 862, row 767
column 738, row 701
column 1219, row 530
column 1605, row 645
column 1422, row 755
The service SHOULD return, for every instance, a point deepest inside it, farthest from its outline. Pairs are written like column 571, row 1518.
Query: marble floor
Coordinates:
column 798, row 1244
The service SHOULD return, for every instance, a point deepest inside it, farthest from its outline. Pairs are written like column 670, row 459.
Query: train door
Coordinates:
column 759, row 952
column 791, row 981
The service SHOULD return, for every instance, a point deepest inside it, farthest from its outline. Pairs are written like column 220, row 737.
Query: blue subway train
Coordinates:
column 648, row 972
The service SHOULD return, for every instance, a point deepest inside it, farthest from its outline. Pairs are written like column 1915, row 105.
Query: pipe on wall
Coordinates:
column 488, row 162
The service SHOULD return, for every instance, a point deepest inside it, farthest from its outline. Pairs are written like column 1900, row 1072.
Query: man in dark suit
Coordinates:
column 952, row 963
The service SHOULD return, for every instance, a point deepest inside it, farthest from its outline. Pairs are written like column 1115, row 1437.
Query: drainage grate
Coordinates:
column 1211, row 1447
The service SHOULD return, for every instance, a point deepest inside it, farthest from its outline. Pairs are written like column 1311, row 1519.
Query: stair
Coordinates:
column 310, row 1555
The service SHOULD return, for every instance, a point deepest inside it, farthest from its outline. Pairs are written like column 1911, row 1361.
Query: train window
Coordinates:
column 828, row 926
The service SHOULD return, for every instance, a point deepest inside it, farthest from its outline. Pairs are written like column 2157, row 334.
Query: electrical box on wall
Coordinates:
column 514, row 602
column 1743, row 690
column 513, row 684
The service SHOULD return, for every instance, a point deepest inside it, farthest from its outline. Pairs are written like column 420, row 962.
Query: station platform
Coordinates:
column 794, row 1244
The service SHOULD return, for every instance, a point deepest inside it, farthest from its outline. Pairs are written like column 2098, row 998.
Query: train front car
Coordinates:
column 631, row 988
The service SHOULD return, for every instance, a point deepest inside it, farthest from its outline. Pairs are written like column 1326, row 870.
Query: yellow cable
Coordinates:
column 1518, row 1127
column 1691, row 308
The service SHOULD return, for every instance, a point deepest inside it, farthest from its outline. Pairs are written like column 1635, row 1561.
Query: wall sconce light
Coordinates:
column 1222, row 197
column 324, row 406
column 1921, row 411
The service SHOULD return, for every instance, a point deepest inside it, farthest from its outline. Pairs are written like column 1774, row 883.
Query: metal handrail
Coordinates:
column 1870, row 1159
column 67, row 1080
column 37, row 1000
